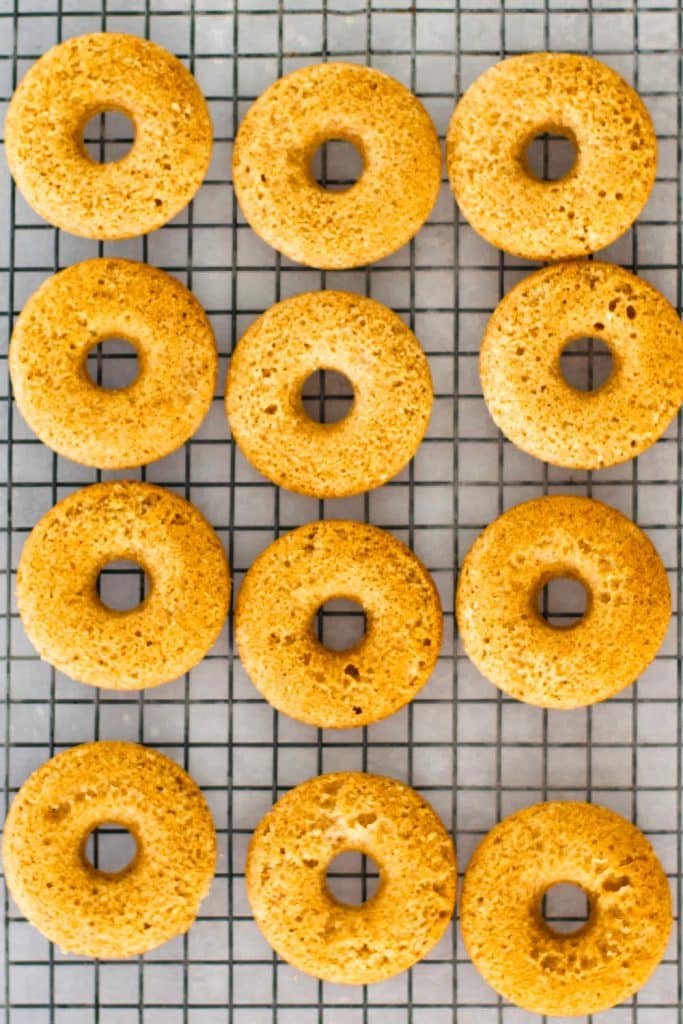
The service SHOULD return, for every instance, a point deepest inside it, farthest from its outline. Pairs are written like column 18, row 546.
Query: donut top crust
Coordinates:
column 70, row 314
column 390, row 201
column 92, row 912
column 85, row 76
column 522, row 957
column 331, row 330
column 521, row 373
column 562, row 93
column 287, row 863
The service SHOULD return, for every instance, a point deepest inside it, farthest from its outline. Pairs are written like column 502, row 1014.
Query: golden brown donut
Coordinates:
column 88, row 75
column 627, row 613
column 276, row 143
column 566, row 94
column 287, row 864
column 526, row 960
column 275, row 612
column 98, row 913
column 74, row 311
column 329, row 330
column 176, row 624
column 521, row 373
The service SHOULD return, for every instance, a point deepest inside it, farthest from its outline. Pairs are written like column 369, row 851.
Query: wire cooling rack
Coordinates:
column 473, row 753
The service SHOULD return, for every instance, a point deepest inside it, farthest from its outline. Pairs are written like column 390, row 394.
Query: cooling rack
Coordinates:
column 473, row 753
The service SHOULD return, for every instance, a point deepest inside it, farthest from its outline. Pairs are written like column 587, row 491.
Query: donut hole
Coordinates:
column 327, row 396
column 337, row 165
column 563, row 601
column 110, row 848
column 550, row 156
column 586, row 363
column 108, row 136
column 352, row 878
column 113, row 364
column 340, row 625
column 122, row 585
column 565, row 908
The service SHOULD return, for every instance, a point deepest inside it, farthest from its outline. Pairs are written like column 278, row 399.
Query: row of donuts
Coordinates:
column 520, row 361
column 157, row 896
column 487, row 142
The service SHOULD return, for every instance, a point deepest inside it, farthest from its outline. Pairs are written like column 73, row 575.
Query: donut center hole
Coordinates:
column 110, row 848
column 337, row 165
column 113, row 364
column 340, row 625
column 327, row 396
column 565, row 908
column 586, row 364
column 352, row 878
column 562, row 602
column 108, row 136
column 550, row 156
column 122, row 585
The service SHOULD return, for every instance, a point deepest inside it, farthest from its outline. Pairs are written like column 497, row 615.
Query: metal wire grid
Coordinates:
column 625, row 754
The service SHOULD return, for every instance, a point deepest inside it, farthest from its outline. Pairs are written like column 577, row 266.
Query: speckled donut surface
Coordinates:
column 109, row 914
column 275, row 612
column 566, row 94
column 627, row 612
column 74, row 311
column 339, row 331
column 85, row 76
column 526, row 960
column 160, row 639
column 522, row 379
column 287, row 863
column 276, row 143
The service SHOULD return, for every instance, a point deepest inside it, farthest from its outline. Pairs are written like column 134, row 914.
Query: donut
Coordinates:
column 521, row 956
column 383, row 361
column 88, row 75
column 67, row 317
column 566, row 94
column 287, row 863
column 276, row 608
column 627, row 614
column 279, row 136
column 169, row 632
column 522, row 379
column 98, row 913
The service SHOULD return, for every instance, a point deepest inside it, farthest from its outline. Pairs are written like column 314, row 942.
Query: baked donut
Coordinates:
column 627, row 614
column 88, row 75
column 521, row 956
column 276, row 607
column 521, row 374
column 570, row 95
column 275, row 146
column 68, row 316
column 383, row 361
column 293, row 847
column 109, row 914
column 176, row 624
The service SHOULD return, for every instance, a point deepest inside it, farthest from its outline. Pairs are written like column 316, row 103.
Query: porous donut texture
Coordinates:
column 627, row 614
column 338, row 331
column 390, row 201
column 520, row 955
column 275, row 613
column 521, row 374
column 287, row 863
column 85, row 76
column 86, row 304
column 109, row 914
column 567, row 94
column 162, row 638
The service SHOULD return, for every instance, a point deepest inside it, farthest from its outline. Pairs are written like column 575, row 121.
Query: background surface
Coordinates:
column 475, row 755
